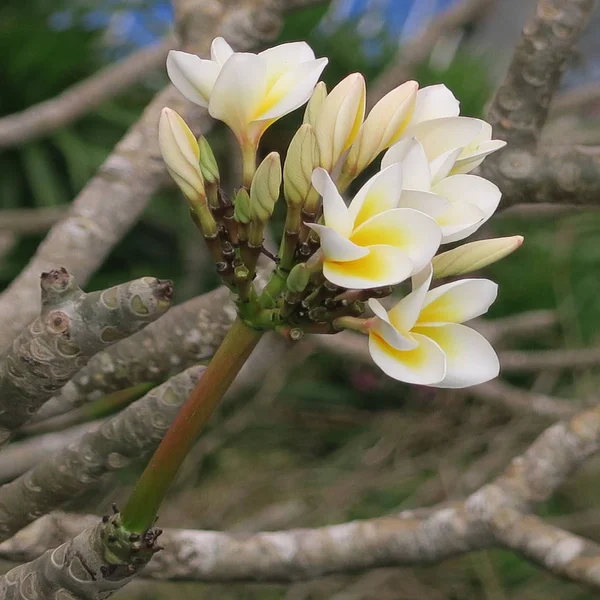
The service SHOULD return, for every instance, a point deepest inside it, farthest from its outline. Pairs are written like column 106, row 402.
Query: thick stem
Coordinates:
column 248, row 164
column 141, row 509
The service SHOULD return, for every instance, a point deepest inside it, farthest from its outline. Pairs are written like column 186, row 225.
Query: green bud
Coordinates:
column 301, row 160
column 315, row 104
column 208, row 162
column 473, row 256
column 264, row 190
column 242, row 212
column 298, row 279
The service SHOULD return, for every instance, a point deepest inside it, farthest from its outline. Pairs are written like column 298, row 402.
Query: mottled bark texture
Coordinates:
column 131, row 434
column 91, row 566
column 524, row 171
column 188, row 334
column 116, row 196
column 72, row 327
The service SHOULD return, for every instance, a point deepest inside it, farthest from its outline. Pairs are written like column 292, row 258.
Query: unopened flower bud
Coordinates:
column 181, row 154
column 340, row 119
column 315, row 104
column 473, row 256
column 384, row 125
column 298, row 279
column 265, row 187
column 301, row 160
column 208, row 162
column 242, row 212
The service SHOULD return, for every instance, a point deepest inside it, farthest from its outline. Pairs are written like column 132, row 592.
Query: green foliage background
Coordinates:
column 338, row 441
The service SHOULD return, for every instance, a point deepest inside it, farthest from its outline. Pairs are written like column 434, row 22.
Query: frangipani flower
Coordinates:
column 442, row 137
column 421, row 339
column 247, row 91
column 459, row 203
column 372, row 242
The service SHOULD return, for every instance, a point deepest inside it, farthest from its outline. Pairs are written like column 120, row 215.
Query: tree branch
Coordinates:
column 82, row 98
column 31, row 220
column 72, row 327
column 523, row 361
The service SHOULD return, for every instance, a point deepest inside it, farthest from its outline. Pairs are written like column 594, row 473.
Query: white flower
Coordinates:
column 442, row 137
column 459, row 203
column 372, row 242
column 247, row 91
column 421, row 339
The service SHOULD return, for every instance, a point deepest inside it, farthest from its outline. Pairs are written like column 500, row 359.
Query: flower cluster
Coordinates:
column 336, row 259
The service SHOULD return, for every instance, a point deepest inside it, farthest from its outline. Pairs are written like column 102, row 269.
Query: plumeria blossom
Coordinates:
column 422, row 340
column 459, row 203
column 441, row 137
column 247, row 91
column 372, row 242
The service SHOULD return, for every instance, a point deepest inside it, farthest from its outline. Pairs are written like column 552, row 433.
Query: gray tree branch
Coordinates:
column 72, row 327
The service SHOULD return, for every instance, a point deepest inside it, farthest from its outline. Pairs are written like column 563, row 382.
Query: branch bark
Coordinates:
column 131, row 434
column 72, row 327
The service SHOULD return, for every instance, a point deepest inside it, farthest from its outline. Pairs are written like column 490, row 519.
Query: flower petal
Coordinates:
column 405, row 313
column 293, row 89
column 283, row 58
column 379, row 194
column 335, row 246
column 467, row 161
column 384, row 265
column 443, row 164
column 192, row 76
column 238, row 91
column 384, row 329
column 425, row 364
column 220, row 51
column 411, row 231
column 459, row 221
column 440, row 135
column 426, row 202
column 335, row 211
column 458, row 301
column 434, row 102
column 470, row 358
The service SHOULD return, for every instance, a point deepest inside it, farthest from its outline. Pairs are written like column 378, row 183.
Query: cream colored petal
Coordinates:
column 238, row 91
column 192, row 76
column 284, row 58
column 434, row 102
column 442, row 166
column 470, row 159
column 220, row 51
column 335, row 246
column 411, row 231
column 458, row 301
column 379, row 194
column 441, row 135
column 384, row 329
column 424, row 365
column 470, row 358
column 384, row 265
column 459, row 221
column 291, row 90
column 404, row 314
column 426, row 202
column 335, row 211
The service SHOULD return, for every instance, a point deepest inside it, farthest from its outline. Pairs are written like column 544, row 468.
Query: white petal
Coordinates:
column 386, row 330
column 458, row 301
column 238, row 92
column 405, row 313
column 413, row 232
column 425, row 365
column 379, row 194
column 468, row 161
column 384, row 265
column 283, row 58
column 192, row 76
column 397, row 153
column 470, row 358
column 459, row 221
column 443, row 164
column 220, row 51
column 440, row 135
column 335, row 211
column 416, row 174
column 293, row 89
column 335, row 246
column 426, row 202
column 434, row 102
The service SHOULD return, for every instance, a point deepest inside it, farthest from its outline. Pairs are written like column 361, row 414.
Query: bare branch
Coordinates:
column 31, row 220
column 523, row 361
column 129, row 435
column 575, row 99
column 412, row 54
column 82, row 98
column 72, row 327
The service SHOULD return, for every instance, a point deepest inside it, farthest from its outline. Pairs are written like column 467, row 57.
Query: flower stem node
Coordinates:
column 264, row 191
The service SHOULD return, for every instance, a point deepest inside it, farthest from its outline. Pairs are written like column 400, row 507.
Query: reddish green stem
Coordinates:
column 141, row 509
